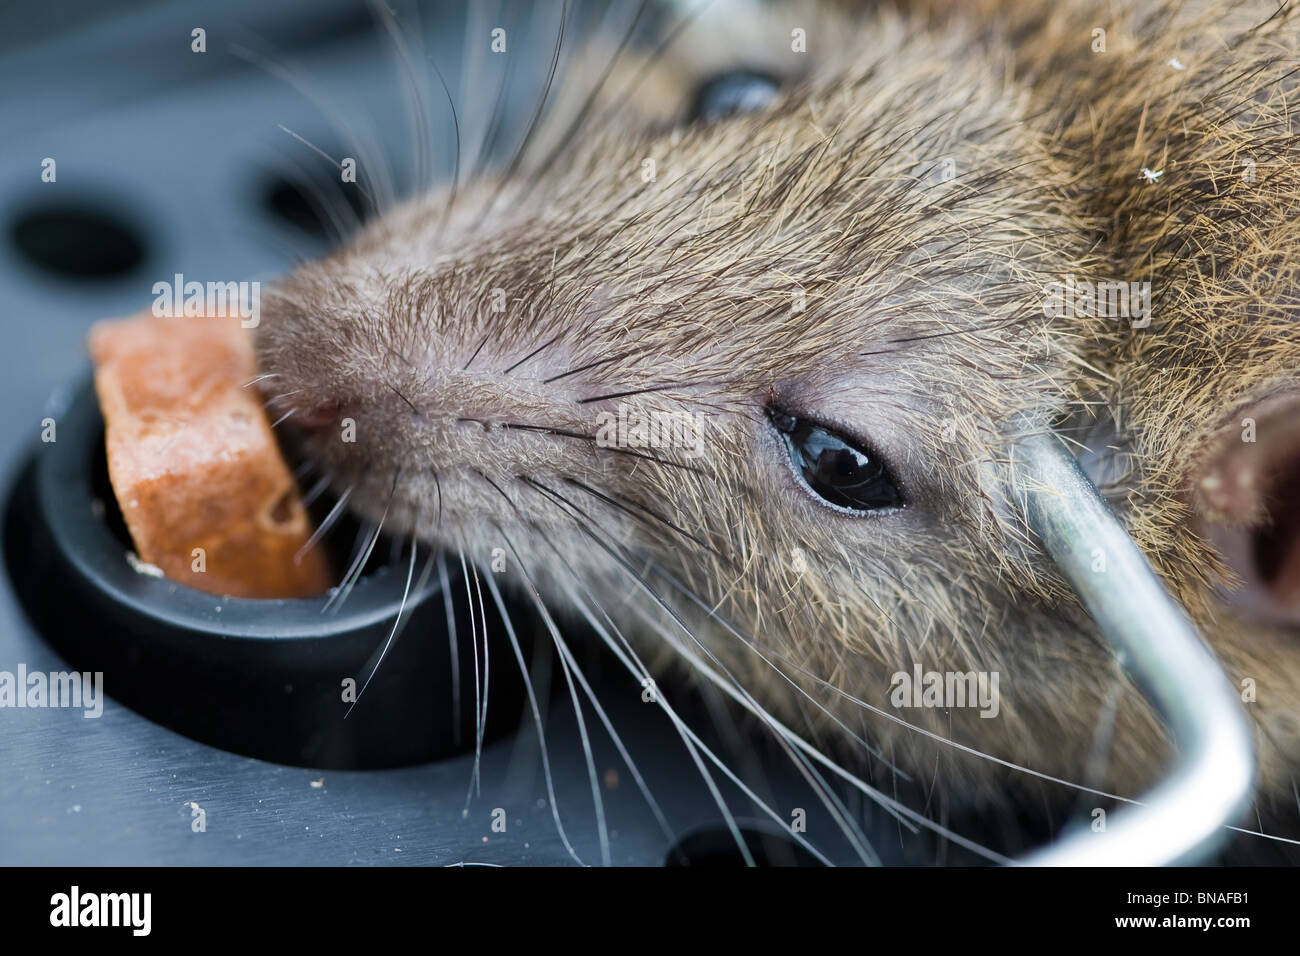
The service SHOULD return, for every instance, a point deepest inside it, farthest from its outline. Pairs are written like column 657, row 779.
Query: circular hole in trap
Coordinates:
column 78, row 240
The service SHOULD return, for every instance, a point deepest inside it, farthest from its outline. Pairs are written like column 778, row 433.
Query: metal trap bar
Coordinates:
column 1182, row 819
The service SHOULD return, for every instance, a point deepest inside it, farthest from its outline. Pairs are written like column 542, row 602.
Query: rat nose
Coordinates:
column 321, row 416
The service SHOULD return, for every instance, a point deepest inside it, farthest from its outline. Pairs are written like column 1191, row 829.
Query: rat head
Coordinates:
column 746, row 384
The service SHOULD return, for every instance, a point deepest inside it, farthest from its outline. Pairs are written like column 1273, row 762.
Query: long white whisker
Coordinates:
column 537, row 722
column 637, row 778
column 568, row 665
column 689, row 738
column 325, row 525
column 416, row 97
column 400, row 622
column 315, row 491
column 354, row 572
column 474, row 786
column 453, row 645
column 487, row 666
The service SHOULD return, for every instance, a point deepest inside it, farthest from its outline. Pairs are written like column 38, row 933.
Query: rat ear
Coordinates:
column 1246, row 491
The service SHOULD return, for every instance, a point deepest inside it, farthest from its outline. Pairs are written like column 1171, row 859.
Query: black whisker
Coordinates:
column 565, row 433
column 634, row 391
column 437, row 484
column 398, row 392
column 626, row 505
column 518, row 157
column 581, row 117
column 583, row 368
column 544, row 345
column 476, row 351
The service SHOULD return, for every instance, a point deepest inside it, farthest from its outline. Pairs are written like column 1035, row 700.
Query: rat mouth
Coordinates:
column 1247, row 499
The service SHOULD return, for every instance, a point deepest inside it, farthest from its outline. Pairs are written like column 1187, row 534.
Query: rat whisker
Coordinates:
column 315, row 491
column 416, row 101
column 897, row 809
column 537, row 718
column 793, row 745
column 626, row 757
column 616, row 107
column 679, row 725
column 520, row 150
column 324, row 104
column 280, row 397
column 694, row 745
column 616, row 501
column 453, row 646
column 534, row 352
column 476, row 351
column 354, row 573
column 751, row 704
column 333, row 210
column 584, row 368
column 396, row 391
column 334, row 162
column 630, row 392
column 487, row 145
column 323, row 528
column 811, row 775
column 455, row 172
column 437, row 484
column 754, row 647
column 581, row 116
column 487, row 676
column 898, row 720
column 863, row 848
column 400, row 623
column 567, row 666
column 474, row 780
column 591, row 439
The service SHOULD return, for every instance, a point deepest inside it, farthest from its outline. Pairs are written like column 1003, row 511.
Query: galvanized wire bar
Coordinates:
column 1183, row 819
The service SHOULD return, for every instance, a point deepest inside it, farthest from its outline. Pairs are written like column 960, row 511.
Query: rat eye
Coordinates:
column 835, row 468
column 732, row 92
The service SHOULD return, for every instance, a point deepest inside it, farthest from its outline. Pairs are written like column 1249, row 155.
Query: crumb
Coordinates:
column 143, row 567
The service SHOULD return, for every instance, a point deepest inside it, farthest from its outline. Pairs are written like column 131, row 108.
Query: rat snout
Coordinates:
column 1245, row 492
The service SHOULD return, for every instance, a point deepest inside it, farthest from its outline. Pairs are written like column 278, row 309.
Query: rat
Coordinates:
column 729, row 365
